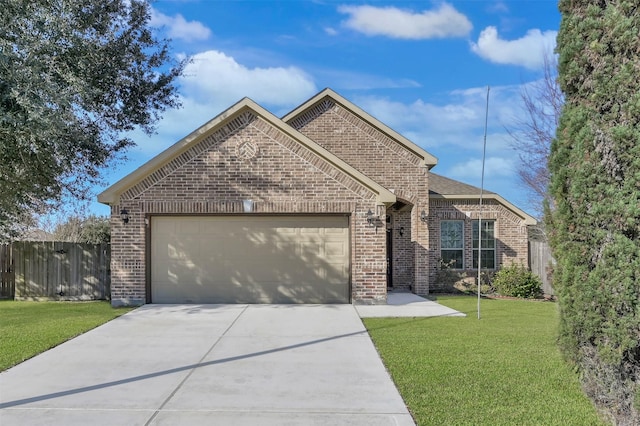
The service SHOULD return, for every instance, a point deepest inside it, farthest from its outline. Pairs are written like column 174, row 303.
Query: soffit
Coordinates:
column 427, row 159
column 443, row 187
column 112, row 194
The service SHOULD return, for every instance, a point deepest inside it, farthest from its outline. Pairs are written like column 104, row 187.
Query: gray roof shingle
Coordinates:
column 440, row 185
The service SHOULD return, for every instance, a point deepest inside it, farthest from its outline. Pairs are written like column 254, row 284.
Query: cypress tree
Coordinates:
column 595, row 184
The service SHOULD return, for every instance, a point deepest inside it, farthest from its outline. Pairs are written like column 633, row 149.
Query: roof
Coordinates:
column 428, row 160
column 112, row 194
column 443, row 187
column 440, row 185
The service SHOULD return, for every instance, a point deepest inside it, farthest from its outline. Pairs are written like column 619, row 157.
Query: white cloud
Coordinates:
column 444, row 21
column 528, row 51
column 214, row 75
column 331, row 31
column 212, row 82
column 498, row 7
column 179, row 28
column 342, row 80
column 453, row 124
column 472, row 168
column 453, row 131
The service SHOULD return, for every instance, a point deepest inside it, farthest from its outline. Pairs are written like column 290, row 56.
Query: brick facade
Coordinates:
column 392, row 165
column 326, row 157
column 215, row 176
column 510, row 234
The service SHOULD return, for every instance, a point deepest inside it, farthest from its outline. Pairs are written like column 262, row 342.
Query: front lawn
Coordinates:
column 28, row 328
column 504, row 369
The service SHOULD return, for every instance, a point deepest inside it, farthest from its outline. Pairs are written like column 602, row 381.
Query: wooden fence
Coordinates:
column 6, row 272
column 541, row 262
column 56, row 270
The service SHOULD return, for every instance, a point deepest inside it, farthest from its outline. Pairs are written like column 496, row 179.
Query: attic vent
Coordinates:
column 312, row 113
column 240, row 121
column 326, row 104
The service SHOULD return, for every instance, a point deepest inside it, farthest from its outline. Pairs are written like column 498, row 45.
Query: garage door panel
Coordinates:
column 287, row 248
column 257, row 259
column 334, row 249
column 251, row 292
column 335, row 272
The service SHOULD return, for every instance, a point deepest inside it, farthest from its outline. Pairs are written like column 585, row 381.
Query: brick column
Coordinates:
column 420, row 236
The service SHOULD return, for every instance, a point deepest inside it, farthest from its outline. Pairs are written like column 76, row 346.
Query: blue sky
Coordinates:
column 421, row 67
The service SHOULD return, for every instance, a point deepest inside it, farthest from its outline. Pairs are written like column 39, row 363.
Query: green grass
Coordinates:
column 504, row 369
column 29, row 328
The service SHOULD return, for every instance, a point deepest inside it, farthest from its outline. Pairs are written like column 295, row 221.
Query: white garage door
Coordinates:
column 249, row 259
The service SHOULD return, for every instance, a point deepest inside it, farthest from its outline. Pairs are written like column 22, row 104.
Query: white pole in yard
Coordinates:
column 484, row 153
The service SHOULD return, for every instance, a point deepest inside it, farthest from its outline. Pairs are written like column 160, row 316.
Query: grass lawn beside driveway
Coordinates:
column 29, row 328
column 504, row 369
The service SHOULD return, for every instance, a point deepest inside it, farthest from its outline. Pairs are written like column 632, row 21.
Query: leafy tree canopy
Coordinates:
column 74, row 76
column 92, row 229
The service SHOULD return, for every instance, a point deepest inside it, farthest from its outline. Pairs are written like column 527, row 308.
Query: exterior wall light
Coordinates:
column 423, row 216
column 370, row 217
column 124, row 215
column 373, row 219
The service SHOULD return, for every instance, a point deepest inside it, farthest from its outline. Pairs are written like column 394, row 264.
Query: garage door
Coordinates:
column 250, row 259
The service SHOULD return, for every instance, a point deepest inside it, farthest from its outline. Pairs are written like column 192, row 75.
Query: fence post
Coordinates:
column 7, row 275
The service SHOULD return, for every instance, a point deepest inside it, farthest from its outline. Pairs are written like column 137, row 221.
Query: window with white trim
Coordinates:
column 452, row 243
column 488, row 239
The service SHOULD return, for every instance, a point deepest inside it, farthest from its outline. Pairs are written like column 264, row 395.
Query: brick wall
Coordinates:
column 246, row 159
column 510, row 233
column 402, row 252
column 390, row 164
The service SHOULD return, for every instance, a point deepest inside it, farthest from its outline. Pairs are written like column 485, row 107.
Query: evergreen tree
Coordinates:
column 595, row 184
column 74, row 75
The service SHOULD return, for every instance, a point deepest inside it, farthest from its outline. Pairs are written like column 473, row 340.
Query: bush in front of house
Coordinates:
column 517, row 281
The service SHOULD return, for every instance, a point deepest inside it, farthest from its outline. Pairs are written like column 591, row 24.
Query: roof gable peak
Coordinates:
column 427, row 159
column 230, row 117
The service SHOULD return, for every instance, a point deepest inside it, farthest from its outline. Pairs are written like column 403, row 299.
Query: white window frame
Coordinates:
column 474, row 244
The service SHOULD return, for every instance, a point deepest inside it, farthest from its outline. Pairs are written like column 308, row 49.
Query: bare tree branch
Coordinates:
column 532, row 135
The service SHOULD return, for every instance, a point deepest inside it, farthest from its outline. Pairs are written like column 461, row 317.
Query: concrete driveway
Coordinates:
column 206, row 365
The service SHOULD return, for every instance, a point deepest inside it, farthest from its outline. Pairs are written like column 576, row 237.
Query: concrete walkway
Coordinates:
column 405, row 304
column 210, row 364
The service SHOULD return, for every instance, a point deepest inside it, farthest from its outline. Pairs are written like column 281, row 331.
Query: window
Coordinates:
column 488, row 244
column 452, row 243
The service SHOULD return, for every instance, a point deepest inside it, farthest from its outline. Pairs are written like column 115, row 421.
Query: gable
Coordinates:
column 249, row 148
column 364, row 143
column 306, row 112
column 443, row 188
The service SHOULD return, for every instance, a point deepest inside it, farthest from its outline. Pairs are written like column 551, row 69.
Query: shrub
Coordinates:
column 517, row 281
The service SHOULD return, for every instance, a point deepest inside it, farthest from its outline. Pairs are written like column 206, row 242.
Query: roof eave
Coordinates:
column 112, row 194
column 528, row 219
column 427, row 160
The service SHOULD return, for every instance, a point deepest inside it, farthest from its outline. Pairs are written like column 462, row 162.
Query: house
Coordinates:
column 324, row 205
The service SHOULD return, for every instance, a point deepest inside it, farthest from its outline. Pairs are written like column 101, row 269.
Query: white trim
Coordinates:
column 528, row 219
column 112, row 194
column 427, row 161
